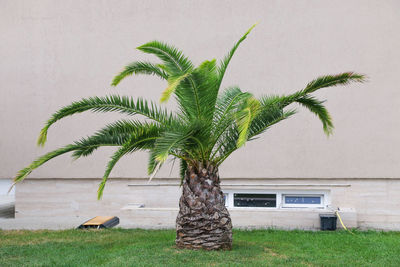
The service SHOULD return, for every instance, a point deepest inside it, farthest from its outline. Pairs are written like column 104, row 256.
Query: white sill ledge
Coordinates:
column 251, row 185
column 313, row 210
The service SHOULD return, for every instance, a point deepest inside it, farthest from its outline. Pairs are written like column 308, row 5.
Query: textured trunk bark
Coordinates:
column 203, row 221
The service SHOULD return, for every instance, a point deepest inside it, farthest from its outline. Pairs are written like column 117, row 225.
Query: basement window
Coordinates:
column 302, row 201
column 254, row 200
column 278, row 199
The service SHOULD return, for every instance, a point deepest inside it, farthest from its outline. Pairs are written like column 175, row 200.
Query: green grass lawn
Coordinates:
column 119, row 247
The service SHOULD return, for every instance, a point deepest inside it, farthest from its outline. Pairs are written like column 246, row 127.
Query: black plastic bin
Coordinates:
column 328, row 222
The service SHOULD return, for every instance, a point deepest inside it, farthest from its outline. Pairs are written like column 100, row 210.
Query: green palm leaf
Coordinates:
column 173, row 83
column 333, row 80
column 175, row 63
column 206, row 78
column 225, row 62
column 244, row 117
column 143, row 137
column 224, row 115
column 110, row 165
column 152, row 162
column 139, row 68
column 168, row 142
column 115, row 134
column 315, row 106
column 21, row 175
column 125, row 105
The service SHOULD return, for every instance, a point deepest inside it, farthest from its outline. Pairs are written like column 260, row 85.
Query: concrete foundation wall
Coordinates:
column 363, row 203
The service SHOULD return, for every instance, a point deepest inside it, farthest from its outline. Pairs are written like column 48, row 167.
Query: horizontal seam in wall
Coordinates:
column 248, row 178
column 241, row 185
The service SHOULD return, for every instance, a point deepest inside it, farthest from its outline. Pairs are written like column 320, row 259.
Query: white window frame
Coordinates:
column 286, row 205
column 232, row 198
column 280, row 203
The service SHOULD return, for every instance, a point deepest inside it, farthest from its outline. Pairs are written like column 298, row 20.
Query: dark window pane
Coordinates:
column 302, row 200
column 254, row 200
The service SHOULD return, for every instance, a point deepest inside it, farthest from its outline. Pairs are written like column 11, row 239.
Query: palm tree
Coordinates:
column 205, row 130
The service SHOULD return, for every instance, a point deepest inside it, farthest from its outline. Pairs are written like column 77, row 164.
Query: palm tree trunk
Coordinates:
column 203, row 221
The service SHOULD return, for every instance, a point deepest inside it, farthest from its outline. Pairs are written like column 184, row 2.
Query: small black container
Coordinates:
column 328, row 222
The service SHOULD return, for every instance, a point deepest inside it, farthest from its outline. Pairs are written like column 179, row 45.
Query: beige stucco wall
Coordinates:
column 54, row 52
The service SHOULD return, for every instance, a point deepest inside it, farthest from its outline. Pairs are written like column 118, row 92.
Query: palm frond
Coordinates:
column 86, row 146
column 206, row 77
column 175, row 63
column 227, row 143
column 311, row 103
column 125, row 105
column 319, row 83
column 267, row 112
column 225, row 114
column 270, row 112
column 226, row 101
column 173, row 83
column 259, row 124
column 197, row 92
column 139, row 68
column 196, row 96
column 110, row 165
column 225, row 62
column 152, row 163
column 22, row 174
column 142, row 138
column 244, row 117
column 266, row 119
column 116, row 134
column 188, row 99
column 333, row 80
column 169, row 141
column 315, row 106
column 180, row 139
